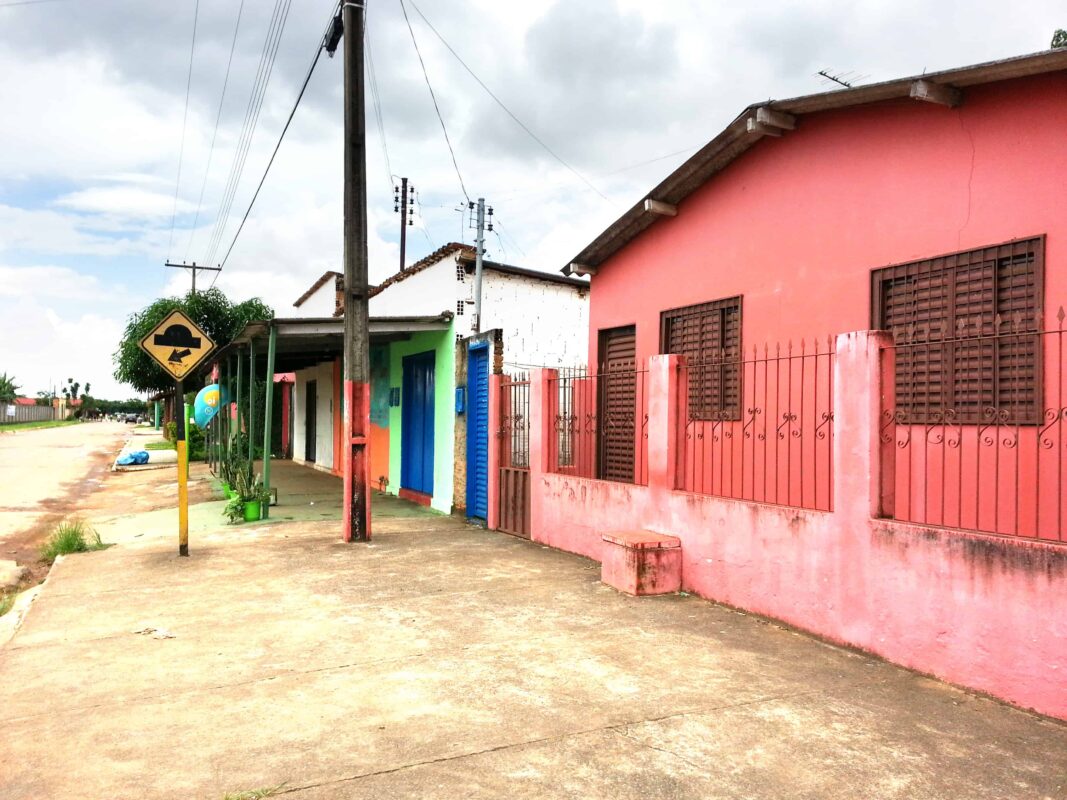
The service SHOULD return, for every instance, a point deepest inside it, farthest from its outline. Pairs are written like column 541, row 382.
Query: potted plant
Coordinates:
column 248, row 491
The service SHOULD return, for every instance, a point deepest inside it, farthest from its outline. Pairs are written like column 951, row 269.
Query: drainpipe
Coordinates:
column 479, row 247
column 267, row 408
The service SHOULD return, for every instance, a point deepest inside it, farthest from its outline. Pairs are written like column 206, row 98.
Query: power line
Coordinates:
column 296, row 105
column 252, row 112
column 255, row 104
column 434, row 98
column 185, row 116
column 218, row 118
column 376, row 99
column 499, row 102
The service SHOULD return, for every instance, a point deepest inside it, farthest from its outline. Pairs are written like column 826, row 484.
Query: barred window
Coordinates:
column 709, row 336
column 965, row 328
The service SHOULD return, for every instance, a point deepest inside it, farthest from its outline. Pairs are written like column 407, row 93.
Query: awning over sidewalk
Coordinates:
column 305, row 342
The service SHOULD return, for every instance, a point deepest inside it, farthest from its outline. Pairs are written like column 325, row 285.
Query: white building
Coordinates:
column 419, row 423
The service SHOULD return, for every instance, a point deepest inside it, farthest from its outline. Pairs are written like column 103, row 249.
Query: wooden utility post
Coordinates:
column 404, row 204
column 356, row 513
column 193, row 267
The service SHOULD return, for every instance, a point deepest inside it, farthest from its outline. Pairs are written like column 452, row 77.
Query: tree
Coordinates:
column 9, row 390
column 1059, row 39
column 211, row 310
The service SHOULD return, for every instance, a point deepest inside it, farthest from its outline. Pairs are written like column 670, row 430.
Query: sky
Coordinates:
column 106, row 172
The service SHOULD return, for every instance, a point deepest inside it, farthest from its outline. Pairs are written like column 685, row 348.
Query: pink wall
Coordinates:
column 797, row 223
column 981, row 612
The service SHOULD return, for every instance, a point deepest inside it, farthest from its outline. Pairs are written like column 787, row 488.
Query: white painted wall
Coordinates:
column 426, row 293
column 321, row 304
column 545, row 324
column 323, row 374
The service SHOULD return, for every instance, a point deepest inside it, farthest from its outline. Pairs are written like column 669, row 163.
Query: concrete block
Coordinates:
column 10, row 574
column 641, row 562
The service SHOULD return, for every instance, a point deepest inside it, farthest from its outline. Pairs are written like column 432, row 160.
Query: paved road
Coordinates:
column 41, row 471
column 444, row 661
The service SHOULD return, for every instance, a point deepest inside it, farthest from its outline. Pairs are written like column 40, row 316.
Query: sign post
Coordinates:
column 178, row 346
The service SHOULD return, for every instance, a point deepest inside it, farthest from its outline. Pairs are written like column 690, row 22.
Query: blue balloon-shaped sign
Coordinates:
column 209, row 401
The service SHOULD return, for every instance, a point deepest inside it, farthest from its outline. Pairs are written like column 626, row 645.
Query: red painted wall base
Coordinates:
column 415, row 497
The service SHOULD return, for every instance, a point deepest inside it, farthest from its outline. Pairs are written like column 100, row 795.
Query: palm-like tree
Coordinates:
column 9, row 390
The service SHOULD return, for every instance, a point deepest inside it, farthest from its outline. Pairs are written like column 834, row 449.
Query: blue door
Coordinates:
column 478, row 432
column 416, row 421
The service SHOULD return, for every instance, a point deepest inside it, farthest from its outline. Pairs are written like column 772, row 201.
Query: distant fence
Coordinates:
column 13, row 413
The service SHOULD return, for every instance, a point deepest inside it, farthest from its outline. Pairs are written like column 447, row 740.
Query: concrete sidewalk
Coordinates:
column 443, row 661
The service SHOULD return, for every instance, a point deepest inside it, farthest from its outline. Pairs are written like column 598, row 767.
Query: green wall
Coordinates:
column 443, row 345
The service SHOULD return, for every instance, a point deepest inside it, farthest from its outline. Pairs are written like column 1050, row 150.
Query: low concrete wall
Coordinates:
column 979, row 611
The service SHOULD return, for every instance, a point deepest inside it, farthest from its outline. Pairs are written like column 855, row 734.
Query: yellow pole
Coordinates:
column 183, row 473
column 183, row 498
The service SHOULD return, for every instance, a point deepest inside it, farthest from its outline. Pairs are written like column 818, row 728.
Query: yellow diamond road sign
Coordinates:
column 177, row 344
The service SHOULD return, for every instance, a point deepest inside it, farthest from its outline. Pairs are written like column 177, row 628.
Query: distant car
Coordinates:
column 131, row 418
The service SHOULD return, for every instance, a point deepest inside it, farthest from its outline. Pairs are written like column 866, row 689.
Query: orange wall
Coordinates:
column 797, row 223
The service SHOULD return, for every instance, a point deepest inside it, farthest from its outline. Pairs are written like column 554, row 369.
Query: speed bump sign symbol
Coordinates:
column 177, row 344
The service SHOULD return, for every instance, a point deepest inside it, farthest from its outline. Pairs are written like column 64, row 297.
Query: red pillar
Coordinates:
column 492, row 516
column 287, row 402
column 357, row 451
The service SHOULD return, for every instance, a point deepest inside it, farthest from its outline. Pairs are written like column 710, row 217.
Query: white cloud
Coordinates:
column 51, row 282
column 53, row 346
column 124, row 201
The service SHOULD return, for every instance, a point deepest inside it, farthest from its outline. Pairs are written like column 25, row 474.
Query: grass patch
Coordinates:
column 254, row 794
column 6, row 602
column 71, row 536
column 160, row 446
column 29, row 426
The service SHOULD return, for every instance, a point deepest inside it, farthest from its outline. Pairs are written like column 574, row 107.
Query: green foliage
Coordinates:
column 195, row 438
column 159, row 446
column 254, row 794
column 132, row 406
column 9, row 390
column 1059, row 39
column 30, row 426
column 211, row 310
column 170, row 431
column 71, row 536
column 6, row 602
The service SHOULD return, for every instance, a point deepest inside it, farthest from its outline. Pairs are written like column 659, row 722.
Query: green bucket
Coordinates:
column 253, row 510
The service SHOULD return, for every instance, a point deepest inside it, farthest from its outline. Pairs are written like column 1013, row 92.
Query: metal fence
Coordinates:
column 20, row 413
column 973, row 431
column 514, row 430
column 761, row 428
column 600, row 424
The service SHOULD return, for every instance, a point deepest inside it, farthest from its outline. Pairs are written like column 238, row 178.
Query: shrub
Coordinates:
column 6, row 602
column 71, row 536
column 170, row 431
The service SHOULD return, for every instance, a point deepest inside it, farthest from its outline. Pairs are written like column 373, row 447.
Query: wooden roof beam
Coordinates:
column 940, row 93
column 659, row 208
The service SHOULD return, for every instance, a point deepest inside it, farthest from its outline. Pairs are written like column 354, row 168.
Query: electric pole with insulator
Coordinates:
column 479, row 251
column 356, row 397
column 404, row 204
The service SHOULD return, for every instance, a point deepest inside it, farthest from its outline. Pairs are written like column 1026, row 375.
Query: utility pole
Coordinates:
column 194, row 267
column 404, row 204
column 479, row 252
column 479, row 248
column 356, row 398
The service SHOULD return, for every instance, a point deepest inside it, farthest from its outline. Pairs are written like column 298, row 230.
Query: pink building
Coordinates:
column 829, row 362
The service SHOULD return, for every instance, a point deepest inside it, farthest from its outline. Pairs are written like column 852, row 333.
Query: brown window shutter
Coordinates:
column 964, row 325
column 709, row 336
